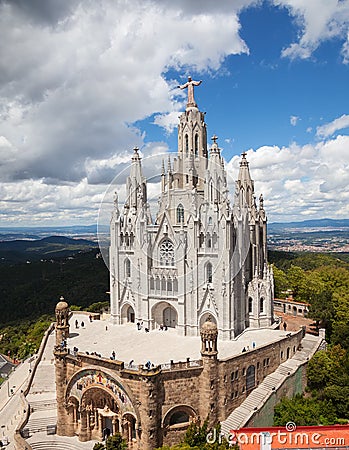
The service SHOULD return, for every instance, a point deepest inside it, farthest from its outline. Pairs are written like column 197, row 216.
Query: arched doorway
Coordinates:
column 129, row 427
column 127, row 314
column 170, row 317
column 130, row 314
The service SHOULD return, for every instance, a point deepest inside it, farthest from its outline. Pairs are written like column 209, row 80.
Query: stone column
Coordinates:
column 151, row 397
column 83, row 435
column 209, row 382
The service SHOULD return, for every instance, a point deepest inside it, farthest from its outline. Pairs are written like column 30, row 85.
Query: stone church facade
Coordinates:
column 201, row 267
column 201, row 255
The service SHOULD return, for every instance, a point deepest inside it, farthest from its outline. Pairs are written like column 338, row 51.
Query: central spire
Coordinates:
column 190, row 85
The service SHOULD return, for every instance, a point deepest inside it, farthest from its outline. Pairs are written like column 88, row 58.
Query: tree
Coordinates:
column 304, row 411
column 116, row 442
column 196, row 438
column 98, row 446
column 327, row 366
column 280, row 281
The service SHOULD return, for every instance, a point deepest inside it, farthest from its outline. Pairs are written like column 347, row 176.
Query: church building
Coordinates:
column 203, row 254
column 198, row 271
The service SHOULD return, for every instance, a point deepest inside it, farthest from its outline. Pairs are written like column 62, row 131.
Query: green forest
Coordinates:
column 323, row 281
column 29, row 293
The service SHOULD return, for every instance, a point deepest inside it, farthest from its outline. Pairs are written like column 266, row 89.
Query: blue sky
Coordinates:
column 103, row 79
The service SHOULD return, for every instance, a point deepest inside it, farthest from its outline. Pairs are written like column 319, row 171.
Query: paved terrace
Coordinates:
column 159, row 347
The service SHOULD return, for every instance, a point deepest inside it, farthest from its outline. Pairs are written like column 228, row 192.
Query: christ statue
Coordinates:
column 190, row 85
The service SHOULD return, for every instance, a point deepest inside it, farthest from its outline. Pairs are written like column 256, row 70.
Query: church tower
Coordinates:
column 201, row 257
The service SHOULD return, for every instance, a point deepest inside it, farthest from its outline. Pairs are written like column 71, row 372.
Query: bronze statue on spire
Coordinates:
column 190, row 85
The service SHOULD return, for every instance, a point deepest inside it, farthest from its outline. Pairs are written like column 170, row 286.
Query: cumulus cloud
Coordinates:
column 73, row 78
column 329, row 129
column 310, row 180
column 319, row 20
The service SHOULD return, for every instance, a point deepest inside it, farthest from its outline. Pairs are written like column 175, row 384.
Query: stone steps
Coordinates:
column 54, row 445
column 242, row 414
column 38, row 424
column 43, row 405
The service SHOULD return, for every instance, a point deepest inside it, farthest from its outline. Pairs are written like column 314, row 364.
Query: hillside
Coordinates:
column 47, row 248
column 29, row 290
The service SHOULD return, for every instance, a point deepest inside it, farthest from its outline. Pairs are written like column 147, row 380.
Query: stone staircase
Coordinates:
column 54, row 445
column 39, row 424
column 258, row 397
column 44, row 380
column 42, row 405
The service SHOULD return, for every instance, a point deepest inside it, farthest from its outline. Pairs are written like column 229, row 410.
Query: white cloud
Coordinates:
column 310, row 180
column 294, row 120
column 319, row 20
column 330, row 128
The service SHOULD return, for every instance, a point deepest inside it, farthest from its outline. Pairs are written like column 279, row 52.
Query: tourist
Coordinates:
column 76, row 324
column 146, row 330
column 113, row 354
column 131, row 362
column 138, row 326
column 90, row 317
column 82, row 324
column 285, row 326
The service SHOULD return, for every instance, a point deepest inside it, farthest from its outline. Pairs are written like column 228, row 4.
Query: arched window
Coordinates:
column 186, row 139
column 152, row 284
column 175, row 285
column 127, row 268
column 163, row 284
column 210, row 220
column 261, row 305
column 250, row 378
column 180, row 213
column 208, row 240
column 166, row 253
column 250, row 305
column 196, row 144
column 157, row 284
column 169, row 285
column 179, row 417
column 209, row 272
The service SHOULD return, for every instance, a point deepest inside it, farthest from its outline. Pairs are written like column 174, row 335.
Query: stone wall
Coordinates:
column 294, row 384
column 207, row 388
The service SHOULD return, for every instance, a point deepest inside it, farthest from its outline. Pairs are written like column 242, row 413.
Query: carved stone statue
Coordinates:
column 190, row 85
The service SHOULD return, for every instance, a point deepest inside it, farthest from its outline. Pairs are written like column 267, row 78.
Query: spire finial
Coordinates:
column 243, row 161
column 135, row 155
column 214, row 138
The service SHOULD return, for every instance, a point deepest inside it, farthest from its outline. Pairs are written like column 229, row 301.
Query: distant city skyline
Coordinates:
column 82, row 83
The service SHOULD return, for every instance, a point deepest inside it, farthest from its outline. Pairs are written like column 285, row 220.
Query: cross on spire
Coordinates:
column 214, row 139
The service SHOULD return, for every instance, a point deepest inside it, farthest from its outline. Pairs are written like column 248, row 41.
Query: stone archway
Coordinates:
column 98, row 404
column 99, row 414
column 127, row 314
column 164, row 314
